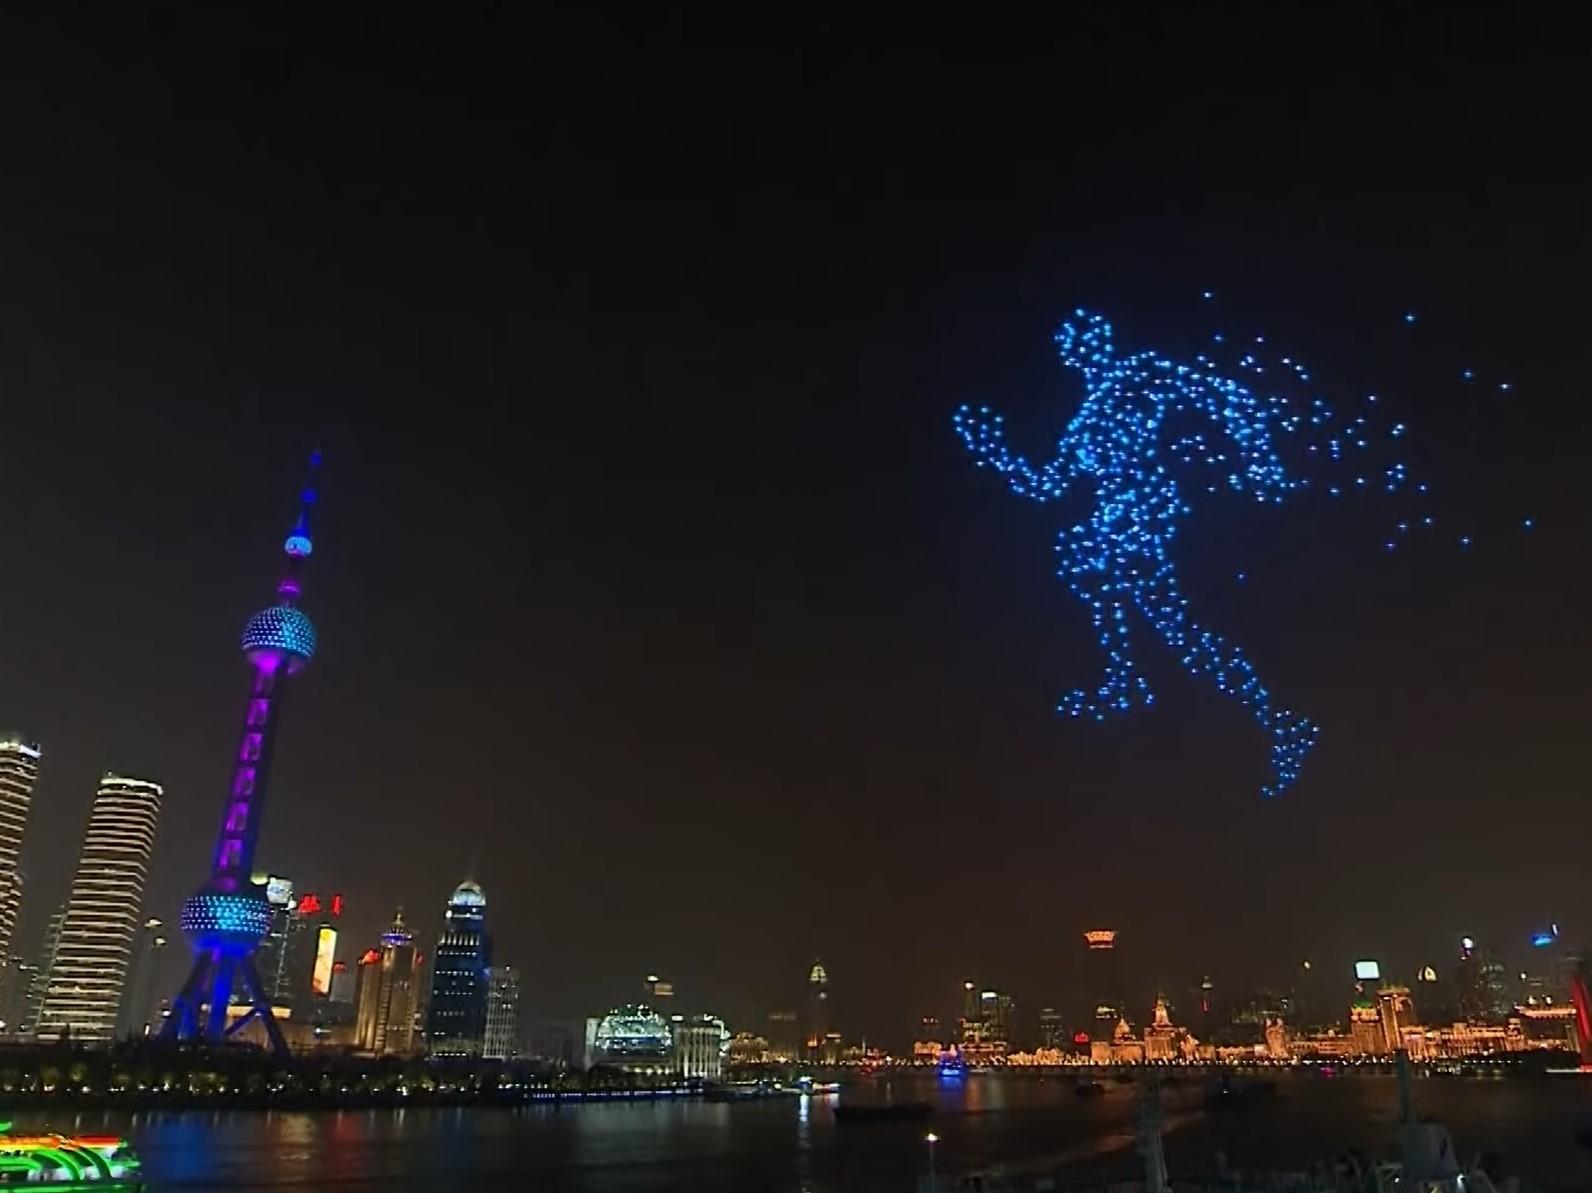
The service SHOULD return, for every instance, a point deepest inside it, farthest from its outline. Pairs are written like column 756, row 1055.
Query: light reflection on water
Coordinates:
column 793, row 1145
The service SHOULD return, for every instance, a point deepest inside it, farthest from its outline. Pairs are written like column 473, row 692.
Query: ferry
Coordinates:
column 104, row 1163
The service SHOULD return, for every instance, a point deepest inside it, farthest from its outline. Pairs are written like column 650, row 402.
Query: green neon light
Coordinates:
column 65, row 1159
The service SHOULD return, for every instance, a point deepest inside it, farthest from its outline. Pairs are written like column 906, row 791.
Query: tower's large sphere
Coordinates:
column 282, row 633
column 232, row 921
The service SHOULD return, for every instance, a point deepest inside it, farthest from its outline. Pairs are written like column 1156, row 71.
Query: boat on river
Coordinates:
column 102, row 1163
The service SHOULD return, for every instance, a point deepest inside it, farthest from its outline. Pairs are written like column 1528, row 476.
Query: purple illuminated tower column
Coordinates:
column 228, row 918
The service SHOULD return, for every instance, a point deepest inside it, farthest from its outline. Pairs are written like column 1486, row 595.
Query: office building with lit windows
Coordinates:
column 103, row 912
column 19, row 771
column 456, row 1019
column 502, row 1014
column 387, row 993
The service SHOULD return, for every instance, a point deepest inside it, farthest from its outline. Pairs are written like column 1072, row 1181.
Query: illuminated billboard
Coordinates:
column 325, row 955
column 1367, row 971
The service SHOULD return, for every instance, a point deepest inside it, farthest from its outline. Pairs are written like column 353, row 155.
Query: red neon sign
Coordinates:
column 337, row 905
column 309, row 904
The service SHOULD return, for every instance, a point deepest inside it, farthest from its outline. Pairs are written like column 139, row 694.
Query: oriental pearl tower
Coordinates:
column 228, row 917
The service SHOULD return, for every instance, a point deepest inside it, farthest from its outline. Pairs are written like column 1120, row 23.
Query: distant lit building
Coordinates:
column 1121, row 1047
column 1366, row 1034
column 996, row 1012
column 1103, row 981
column 1396, row 1012
column 656, row 992
column 387, row 984
column 747, row 1049
column 1052, row 1032
column 19, row 771
column 1165, row 1040
column 140, row 1003
column 1549, row 1026
column 1434, row 996
column 502, row 1015
column 633, row 1038
column 16, row 979
column 103, row 911
column 367, row 999
column 784, row 1036
column 1495, row 982
column 818, row 1010
column 40, row 981
column 456, row 1020
column 701, row 1043
column 269, row 957
column 1470, row 990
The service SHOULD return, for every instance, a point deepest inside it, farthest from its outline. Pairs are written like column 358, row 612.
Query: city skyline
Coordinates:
column 1149, row 978
column 657, row 594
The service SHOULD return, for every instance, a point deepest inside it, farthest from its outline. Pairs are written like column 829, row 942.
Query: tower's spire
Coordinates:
column 299, row 542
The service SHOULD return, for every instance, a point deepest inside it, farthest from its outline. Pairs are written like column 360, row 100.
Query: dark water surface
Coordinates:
column 795, row 1144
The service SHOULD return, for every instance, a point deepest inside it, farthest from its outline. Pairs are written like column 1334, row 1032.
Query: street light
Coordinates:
column 931, row 1139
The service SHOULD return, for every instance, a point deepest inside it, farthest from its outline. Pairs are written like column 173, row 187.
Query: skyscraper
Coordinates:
column 19, row 770
column 137, row 1017
column 1104, row 983
column 386, row 990
column 269, row 956
column 229, row 916
column 996, row 1010
column 784, row 1036
column 103, row 911
column 456, row 1020
column 818, row 1026
column 41, row 974
column 502, row 1015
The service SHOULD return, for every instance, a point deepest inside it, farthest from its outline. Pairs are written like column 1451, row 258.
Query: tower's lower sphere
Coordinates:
column 232, row 921
column 282, row 633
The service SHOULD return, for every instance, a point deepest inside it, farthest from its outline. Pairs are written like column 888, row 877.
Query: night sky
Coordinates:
column 655, row 591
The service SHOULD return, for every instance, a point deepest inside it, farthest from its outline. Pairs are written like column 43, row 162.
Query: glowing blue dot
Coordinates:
column 1409, row 316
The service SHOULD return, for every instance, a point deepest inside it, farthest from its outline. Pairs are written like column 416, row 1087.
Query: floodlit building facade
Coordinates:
column 502, row 1014
column 386, row 993
column 103, row 912
column 701, row 1043
column 19, row 771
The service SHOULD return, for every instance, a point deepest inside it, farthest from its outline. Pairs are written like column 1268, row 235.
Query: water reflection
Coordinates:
column 794, row 1145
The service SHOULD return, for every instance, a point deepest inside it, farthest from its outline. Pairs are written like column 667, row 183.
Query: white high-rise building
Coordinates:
column 19, row 770
column 502, row 1015
column 103, row 912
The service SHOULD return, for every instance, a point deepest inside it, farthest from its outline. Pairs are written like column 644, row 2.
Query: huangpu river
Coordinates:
column 793, row 1144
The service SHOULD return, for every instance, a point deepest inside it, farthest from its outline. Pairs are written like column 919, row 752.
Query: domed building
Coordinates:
column 460, row 977
column 634, row 1038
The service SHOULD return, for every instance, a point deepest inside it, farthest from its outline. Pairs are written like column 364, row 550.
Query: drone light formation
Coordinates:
column 1120, row 446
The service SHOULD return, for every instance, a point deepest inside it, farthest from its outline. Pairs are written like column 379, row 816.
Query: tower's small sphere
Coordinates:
column 232, row 921
column 282, row 633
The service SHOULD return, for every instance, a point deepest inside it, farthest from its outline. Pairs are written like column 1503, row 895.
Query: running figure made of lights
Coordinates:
column 1118, row 561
